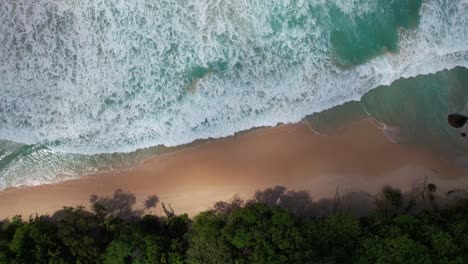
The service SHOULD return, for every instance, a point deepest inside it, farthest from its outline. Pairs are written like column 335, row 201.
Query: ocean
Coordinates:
column 98, row 85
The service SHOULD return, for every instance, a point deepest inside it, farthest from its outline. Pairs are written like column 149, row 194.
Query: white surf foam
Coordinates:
column 106, row 76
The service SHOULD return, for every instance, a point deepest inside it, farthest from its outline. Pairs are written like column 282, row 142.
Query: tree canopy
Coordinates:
column 275, row 226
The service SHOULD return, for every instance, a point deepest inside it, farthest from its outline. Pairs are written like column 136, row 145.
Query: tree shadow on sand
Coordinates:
column 390, row 200
column 301, row 203
column 121, row 204
column 358, row 203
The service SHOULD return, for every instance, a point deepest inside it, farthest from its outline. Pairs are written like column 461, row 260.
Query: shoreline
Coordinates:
column 357, row 156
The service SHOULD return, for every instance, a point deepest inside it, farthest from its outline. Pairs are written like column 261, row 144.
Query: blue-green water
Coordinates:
column 414, row 110
column 419, row 108
column 82, row 79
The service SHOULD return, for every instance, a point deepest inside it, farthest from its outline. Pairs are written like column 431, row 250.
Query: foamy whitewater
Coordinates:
column 101, row 76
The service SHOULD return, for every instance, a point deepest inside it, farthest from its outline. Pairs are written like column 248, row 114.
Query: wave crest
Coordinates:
column 106, row 76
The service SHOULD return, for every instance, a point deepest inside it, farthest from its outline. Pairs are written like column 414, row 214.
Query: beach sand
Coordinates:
column 356, row 157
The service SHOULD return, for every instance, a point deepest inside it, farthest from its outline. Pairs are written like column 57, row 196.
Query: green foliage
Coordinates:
column 207, row 244
column 82, row 234
column 397, row 249
column 333, row 238
column 6, row 236
column 252, row 232
column 134, row 247
column 263, row 234
column 459, row 231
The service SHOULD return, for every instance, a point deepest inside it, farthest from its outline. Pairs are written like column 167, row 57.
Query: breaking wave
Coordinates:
column 105, row 76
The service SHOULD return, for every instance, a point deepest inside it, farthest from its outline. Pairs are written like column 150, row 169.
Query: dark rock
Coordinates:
column 457, row 120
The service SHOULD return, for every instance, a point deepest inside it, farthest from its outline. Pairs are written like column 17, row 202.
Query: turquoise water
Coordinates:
column 419, row 107
column 414, row 110
column 22, row 164
column 81, row 80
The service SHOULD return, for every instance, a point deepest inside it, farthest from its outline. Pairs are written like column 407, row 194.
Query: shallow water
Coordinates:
column 419, row 108
column 104, row 76
column 413, row 111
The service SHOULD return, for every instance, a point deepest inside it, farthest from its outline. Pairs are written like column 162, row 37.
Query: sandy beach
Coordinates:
column 356, row 157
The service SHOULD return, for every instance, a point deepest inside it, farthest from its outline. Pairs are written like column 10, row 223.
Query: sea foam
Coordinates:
column 106, row 76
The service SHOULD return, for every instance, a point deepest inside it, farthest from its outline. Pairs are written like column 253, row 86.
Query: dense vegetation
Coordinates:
column 274, row 227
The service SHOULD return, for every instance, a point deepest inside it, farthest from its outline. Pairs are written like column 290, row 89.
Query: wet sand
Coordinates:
column 356, row 157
